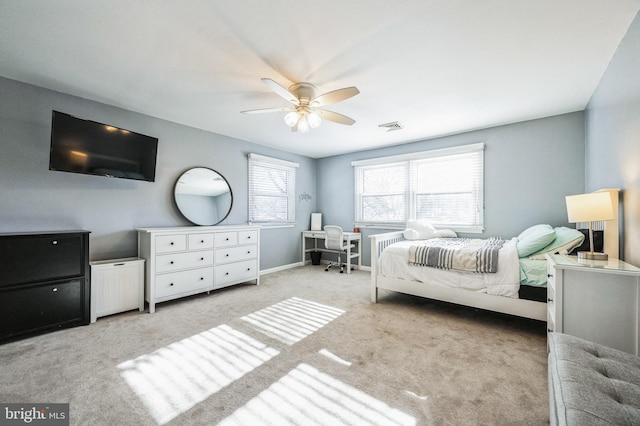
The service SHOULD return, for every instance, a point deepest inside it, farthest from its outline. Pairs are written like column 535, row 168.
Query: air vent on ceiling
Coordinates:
column 394, row 125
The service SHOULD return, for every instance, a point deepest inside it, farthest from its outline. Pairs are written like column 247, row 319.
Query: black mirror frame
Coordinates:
column 185, row 214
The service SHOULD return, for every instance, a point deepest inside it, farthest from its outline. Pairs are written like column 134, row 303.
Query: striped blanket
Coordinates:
column 460, row 254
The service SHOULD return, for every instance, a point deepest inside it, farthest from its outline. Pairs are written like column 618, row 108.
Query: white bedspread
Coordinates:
column 505, row 282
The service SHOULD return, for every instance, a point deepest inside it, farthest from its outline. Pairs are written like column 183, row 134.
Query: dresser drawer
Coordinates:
column 247, row 237
column 45, row 257
column 551, row 321
column 32, row 308
column 551, row 277
column 234, row 272
column 319, row 234
column 178, row 261
column 224, row 239
column 183, row 282
column 235, row 254
column 200, row 241
column 171, row 243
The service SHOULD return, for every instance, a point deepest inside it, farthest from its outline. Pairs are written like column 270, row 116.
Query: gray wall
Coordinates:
column 529, row 168
column 613, row 136
column 36, row 199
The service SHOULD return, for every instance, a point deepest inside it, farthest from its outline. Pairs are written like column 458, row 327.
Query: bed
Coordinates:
column 516, row 287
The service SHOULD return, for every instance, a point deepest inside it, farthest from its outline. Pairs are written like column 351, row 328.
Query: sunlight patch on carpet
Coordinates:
column 308, row 396
column 334, row 357
column 173, row 379
column 292, row 320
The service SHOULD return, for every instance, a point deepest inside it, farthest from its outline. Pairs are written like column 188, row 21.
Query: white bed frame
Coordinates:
column 507, row 305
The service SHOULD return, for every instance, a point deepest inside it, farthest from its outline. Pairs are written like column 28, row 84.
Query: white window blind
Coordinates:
column 443, row 186
column 272, row 187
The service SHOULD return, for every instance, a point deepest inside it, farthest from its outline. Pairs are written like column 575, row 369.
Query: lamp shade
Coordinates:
column 589, row 207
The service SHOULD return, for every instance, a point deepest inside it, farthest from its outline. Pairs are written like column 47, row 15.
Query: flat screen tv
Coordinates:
column 85, row 146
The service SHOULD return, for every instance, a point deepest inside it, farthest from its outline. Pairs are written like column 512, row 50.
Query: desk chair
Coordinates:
column 334, row 241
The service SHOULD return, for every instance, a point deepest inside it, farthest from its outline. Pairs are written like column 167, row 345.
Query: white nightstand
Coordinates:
column 595, row 300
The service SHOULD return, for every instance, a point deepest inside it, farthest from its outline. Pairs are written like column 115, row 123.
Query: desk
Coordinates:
column 349, row 237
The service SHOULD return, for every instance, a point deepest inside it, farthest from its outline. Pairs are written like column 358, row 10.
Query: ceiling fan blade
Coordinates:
column 334, row 116
column 281, row 91
column 335, row 96
column 262, row 111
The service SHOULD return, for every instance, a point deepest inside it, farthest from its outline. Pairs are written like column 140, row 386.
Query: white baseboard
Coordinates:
column 297, row 264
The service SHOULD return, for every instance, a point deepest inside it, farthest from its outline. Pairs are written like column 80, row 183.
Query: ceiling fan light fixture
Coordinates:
column 291, row 118
column 313, row 119
column 303, row 124
column 300, row 118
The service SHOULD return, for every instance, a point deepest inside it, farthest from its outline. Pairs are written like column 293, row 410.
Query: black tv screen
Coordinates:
column 85, row 146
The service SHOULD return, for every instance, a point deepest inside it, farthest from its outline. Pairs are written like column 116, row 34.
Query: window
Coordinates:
column 444, row 186
column 272, row 187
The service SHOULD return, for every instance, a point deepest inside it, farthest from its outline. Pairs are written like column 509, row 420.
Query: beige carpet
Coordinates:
column 305, row 347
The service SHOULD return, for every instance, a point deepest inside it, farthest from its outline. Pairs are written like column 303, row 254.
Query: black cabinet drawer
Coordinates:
column 42, row 257
column 31, row 309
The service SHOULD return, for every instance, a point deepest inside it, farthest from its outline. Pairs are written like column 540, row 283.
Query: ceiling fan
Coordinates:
column 304, row 113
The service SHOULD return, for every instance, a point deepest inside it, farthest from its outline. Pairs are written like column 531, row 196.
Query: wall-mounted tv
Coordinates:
column 85, row 146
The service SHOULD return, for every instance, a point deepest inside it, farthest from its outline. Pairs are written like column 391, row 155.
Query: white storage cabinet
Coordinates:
column 190, row 260
column 116, row 286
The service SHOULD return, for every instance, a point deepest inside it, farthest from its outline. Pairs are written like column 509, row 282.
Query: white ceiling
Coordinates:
column 437, row 66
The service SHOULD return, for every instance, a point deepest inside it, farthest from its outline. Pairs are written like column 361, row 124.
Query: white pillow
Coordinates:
column 446, row 233
column 421, row 225
column 423, row 230
column 414, row 234
column 419, row 230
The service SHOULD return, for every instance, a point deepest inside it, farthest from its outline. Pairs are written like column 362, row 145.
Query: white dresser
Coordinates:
column 595, row 300
column 195, row 259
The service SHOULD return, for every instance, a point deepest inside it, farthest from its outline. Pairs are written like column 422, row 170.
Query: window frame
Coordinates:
column 411, row 160
column 290, row 168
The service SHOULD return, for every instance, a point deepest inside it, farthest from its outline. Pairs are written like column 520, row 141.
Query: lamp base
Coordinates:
column 591, row 255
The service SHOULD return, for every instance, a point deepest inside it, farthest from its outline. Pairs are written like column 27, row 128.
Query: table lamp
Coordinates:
column 588, row 208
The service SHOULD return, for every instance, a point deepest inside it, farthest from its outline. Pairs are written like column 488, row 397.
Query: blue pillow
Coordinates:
column 534, row 239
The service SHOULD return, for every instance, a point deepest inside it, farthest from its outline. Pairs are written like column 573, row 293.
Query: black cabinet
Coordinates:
column 44, row 282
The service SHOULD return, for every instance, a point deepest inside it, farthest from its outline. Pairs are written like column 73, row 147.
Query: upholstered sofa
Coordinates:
column 592, row 384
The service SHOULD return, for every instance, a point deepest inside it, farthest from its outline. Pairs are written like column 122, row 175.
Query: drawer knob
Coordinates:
column 248, row 251
column 54, row 289
column 227, row 239
column 171, row 243
column 171, row 262
column 249, row 237
column 202, row 241
column 171, row 285
column 201, row 278
column 248, row 269
column 227, row 255
column 202, row 258
column 549, row 276
column 226, row 273
column 54, row 242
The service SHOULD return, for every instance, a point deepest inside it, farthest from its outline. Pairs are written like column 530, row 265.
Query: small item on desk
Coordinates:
column 316, row 221
column 356, row 230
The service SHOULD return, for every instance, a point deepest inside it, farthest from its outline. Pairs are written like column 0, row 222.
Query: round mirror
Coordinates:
column 203, row 196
